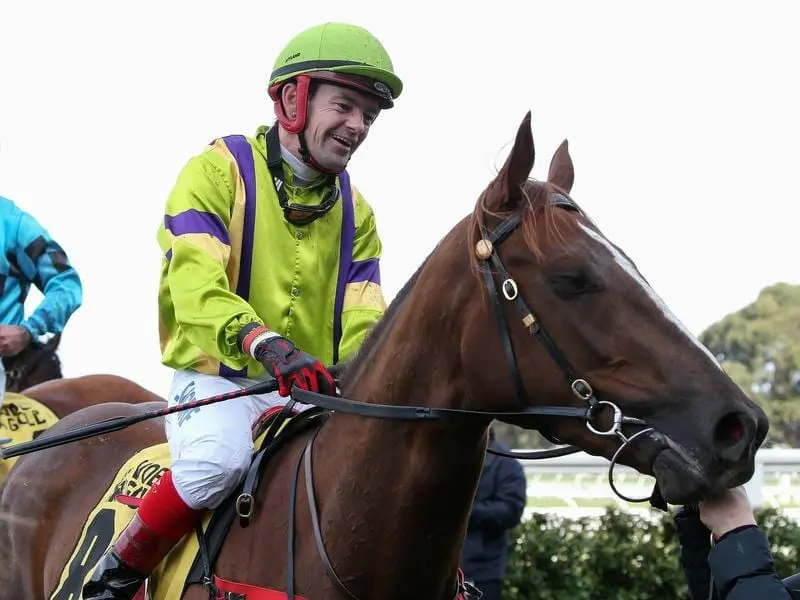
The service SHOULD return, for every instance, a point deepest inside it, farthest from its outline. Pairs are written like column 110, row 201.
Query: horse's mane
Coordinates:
column 379, row 329
column 538, row 205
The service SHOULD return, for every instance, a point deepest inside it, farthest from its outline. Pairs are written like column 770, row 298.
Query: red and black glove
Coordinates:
column 285, row 362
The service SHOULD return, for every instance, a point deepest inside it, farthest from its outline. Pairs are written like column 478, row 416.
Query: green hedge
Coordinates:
column 556, row 558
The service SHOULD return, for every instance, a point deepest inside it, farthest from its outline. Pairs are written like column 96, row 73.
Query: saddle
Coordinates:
column 193, row 559
column 279, row 428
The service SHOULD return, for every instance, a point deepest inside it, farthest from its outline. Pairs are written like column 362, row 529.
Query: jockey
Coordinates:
column 270, row 268
column 31, row 256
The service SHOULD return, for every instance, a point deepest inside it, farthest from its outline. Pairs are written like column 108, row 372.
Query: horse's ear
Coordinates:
column 53, row 342
column 562, row 173
column 519, row 163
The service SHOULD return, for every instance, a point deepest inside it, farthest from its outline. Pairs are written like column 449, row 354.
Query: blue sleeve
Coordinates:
column 743, row 569
column 45, row 264
column 504, row 508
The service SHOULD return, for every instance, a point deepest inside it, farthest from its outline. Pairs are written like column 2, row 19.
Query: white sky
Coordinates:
column 682, row 120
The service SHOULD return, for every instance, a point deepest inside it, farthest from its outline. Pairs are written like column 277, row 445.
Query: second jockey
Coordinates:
column 270, row 266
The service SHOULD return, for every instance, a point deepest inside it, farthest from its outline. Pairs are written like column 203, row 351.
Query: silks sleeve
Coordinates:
column 364, row 303
column 196, row 240
column 45, row 264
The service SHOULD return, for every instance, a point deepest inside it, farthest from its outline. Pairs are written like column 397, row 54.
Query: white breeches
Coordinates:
column 212, row 446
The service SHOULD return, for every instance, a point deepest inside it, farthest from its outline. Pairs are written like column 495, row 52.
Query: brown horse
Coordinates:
column 35, row 373
column 391, row 497
column 38, row 362
column 59, row 397
column 65, row 396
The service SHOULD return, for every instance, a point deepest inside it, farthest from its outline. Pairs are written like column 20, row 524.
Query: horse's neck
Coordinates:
column 396, row 495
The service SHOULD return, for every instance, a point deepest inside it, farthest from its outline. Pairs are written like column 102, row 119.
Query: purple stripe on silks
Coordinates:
column 345, row 258
column 197, row 221
column 365, row 270
column 243, row 154
column 169, row 255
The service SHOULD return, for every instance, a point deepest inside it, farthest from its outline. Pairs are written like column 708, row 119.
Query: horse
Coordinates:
column 26, row 415
column 36, row 363
column 37, row 395
column 371, row 500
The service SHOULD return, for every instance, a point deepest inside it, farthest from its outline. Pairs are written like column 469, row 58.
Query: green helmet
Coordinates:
column 341, row 53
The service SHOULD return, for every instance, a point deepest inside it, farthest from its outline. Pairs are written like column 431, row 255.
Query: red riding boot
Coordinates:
column 157, row 526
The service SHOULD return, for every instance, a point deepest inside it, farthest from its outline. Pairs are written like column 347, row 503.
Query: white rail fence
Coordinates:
column 577, row 485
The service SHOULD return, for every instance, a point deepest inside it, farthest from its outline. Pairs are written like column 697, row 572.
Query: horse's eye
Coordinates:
column 569, row 284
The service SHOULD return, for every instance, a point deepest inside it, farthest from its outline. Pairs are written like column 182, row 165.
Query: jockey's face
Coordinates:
column 338, row 122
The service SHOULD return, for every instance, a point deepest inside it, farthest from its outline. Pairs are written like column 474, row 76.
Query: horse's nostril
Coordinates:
column 731, row 437
column 730, row 429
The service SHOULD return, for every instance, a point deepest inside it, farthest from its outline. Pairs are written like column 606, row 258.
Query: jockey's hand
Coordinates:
column 286, row 363
column 13, row 339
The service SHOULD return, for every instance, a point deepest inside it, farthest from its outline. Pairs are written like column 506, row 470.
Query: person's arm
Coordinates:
column 743, row 568
column 364, row 303
column 44, row 263
column 195, row 240
column 503, row 509
column 740, row 559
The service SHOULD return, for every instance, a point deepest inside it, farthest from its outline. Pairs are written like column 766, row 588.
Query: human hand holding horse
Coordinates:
column 13, row 339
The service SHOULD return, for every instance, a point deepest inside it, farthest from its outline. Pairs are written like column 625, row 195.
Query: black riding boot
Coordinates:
column 113, row 580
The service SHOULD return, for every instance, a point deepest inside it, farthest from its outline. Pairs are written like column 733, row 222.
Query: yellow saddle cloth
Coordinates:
column 112, row 514
column 22, row 419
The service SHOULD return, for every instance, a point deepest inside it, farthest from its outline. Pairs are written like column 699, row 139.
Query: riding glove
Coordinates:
column 287, row 364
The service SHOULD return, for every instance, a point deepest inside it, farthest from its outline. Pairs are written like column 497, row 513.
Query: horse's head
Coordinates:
column 37, row 363
column 576, row 307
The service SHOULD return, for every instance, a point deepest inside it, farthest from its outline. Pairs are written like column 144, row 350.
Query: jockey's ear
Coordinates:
column 289, row 99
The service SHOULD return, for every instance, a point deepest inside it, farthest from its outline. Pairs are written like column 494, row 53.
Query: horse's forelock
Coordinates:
column 538, row 210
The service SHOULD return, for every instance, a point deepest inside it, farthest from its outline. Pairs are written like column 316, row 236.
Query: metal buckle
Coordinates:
column 244, row 506
column 582, row 389
column 510, row 289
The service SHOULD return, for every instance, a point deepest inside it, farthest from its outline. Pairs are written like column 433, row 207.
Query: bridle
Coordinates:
column 486, row 253
column 491, row 263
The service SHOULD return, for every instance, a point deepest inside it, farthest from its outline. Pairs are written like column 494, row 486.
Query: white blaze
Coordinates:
column 622, row 261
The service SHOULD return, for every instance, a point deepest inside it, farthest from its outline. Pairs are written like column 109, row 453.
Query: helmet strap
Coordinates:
column 308, row 158
column 297, row 214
